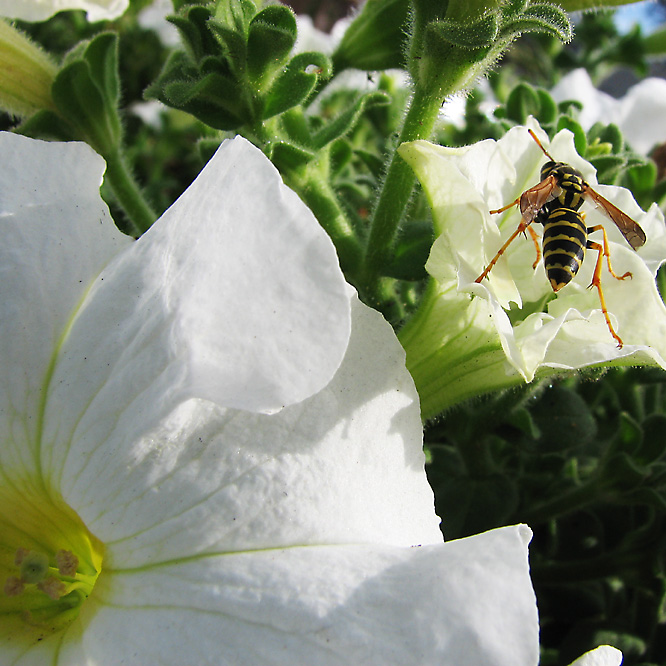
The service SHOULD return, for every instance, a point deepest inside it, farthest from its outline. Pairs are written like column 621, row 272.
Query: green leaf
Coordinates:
column 580, row 138
column 289, row 156
column 192, row 24
column 541, row 18
column 86, row 93
column 235, row 14
column 479, row 34
column 213, row 99
column 610, row 134
column 102, row 57
column 523, row 101
column 272, row 35
column 346, row 121
column 577, row 5
column 295, row 124
column 233, row 47
column 513, row 8
column 296, row 82
column 376, row 38
column 608, row 167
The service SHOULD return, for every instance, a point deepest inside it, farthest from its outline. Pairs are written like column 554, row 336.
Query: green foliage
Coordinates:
column 237, row 70
column 86, row 92
column 584, row 464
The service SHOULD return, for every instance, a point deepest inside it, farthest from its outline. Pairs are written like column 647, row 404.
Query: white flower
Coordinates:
column 470, row 338
column 639, row 113
column 40, row 10
column 211, row 450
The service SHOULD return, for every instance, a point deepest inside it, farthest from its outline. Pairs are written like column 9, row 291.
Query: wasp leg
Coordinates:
column 600, row 227
column 535, row 240
column 596, row 282
column 511, row 205
column 521, row 229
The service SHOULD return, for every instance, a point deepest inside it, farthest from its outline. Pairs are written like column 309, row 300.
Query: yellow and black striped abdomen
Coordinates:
column 564, row 242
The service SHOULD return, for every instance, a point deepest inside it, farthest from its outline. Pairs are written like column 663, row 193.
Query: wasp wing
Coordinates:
column 534, row 199
column 634, row 235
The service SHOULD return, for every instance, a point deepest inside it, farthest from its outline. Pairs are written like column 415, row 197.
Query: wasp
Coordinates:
column 555, row 203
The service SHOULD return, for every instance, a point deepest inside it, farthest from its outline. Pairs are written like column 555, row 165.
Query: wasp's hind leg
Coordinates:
column 606, row 251
column 596, row 282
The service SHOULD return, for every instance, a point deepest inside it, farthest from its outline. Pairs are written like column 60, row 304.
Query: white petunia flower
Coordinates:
column 211, row 450
column 40, row 10
column 471, row 338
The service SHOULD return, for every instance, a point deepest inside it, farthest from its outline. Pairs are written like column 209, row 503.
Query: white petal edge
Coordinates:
column 604, row 655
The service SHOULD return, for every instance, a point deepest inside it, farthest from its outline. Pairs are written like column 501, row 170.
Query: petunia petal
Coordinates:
column 213, row 480
column 465, row 602
column 56, row 240
column 604, row 655
column 40, row 10
column 235, row 295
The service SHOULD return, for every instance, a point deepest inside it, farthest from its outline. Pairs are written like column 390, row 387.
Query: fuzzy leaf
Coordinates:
column 343, row 123
column 542, row 18
column 298, row 79
column 272, row 35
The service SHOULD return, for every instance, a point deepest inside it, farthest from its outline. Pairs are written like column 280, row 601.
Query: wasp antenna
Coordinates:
column 538, row 143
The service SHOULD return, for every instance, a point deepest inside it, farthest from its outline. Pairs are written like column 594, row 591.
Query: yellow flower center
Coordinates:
column 49, row 563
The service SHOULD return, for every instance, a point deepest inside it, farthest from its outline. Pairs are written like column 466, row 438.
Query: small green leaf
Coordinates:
column 296, row 82
column 192, row 24
column 295, row 124
column 611, row 134
column 86, row 93
column 523, row 101
column 345, row 122
column 580, row 138
column 235, row 14
column 541, row 18
column 272, row 35
column 289, row 156
column 577, row 5
column 232, row 46
column 213, row 100
column 547, row 107
column 608, row 167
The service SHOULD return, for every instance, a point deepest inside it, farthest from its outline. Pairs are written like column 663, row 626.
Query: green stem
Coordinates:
column 139, row 213
column 396, row 190
column 320, row 198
